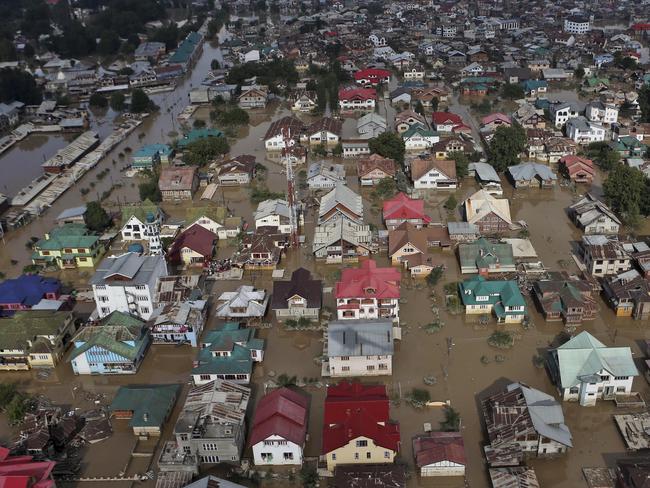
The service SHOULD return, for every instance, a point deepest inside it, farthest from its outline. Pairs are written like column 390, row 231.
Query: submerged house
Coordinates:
column 527, row 175
column 569, row 300
column 299, row 297
column 485, row 258
column 500, row 297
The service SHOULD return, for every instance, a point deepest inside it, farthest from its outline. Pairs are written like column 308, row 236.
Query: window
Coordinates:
column 204, row 377
column 345, row 358
column 106, row 310
column 183, row 437
column 144, row 309
column 386, row 454
column 187, row 450
column 356, row 455
column 383, row 367
column 288, row 456
column 620, row 389
column 362, row 443
column 370, row 367
column 345, row 368
column 209, row 446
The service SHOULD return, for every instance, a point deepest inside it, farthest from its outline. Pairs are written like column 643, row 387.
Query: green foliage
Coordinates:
column 418, row 397
column 19, row 405
column 419, row 108
column 434, row 104
column 96, row 218
column 286, row 380
column 462, row 163
column 505, row 147
column 451, row 203
column 434, row 277
column 149, row 189
column 501, row 339
column 308, row 476
column 268, row 73
column 435, row 326
column 579, row 72
column 117, row 101
column 338, row 150
column 644, row 103
column 202, row 151
column 214, row 64
column 198, row 123
column 452, row 420
column 388, row 145
column 168, row 34
column 512, row 91
column 109, row 43
column 624, row 189
column 98, row 100
column 386, row 188
column 231, row 116
column 7, row 51
column 624, row 62
column 140, row 101
column 125, row 17
column 261, row 193
column 7, row 393
column 603, row 154
column 19, row 85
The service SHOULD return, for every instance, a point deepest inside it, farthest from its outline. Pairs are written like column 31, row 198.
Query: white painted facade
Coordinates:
column 136, row 231
column 277, row 451
column 368, row 308
column 583, row 132
column 357, row 104
column 576, row 26
column 604, row 113
column 443, row 468
column 347, row 366
column 419, row 142
column 431, row 179
column 606, row 388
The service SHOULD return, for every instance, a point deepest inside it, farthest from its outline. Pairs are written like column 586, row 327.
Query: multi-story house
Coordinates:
column 502, row 298
column 583, row 131
column 371, row 125
column 577, row 169
column 408, row 246
column 491, row 215
column 26, row 291
column 360, row 348
column 372, row 76
column 245, row 302
column 142, row 223
column 602, row 256
column 179, row 323
column 68, row 246
column 433, row 173
column 325, row 175
column 211, row 427
column 282, row 130
column 374, row 168
column 178, row 183
column 117, row 345
column 594, row 217
column 237, row 171
column 418, row 138
column 605, row 113
column 566, row 299
column 341, row 240
column 341, row 202
column 299, row 297
column 368, row 292
column 356, row 426
column 401, row 208
column 324, row 132
column 215, row 220
column 254, row 97
column 525, row 420
column 352, row 99
column 127, row 283
column 273, row 213
column 561, row 112
column 227, row 353
column 34, row 338
column 586, row 370
column 486, row 258
column 279, row 430
column 577, row 24
column 628, row 294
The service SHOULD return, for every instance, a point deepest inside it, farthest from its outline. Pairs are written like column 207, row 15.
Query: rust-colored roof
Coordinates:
column 420, row 166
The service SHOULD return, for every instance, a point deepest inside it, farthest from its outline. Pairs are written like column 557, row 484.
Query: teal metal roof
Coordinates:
column 150, row 404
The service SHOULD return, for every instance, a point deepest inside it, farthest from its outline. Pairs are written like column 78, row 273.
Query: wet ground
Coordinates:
column 460, row 373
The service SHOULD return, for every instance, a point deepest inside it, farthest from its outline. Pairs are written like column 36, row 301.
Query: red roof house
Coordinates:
column 372, row 76
column 357, row 94
column 369, row 281
column 445, row 121
column 440, row 454
column 401, row 208
column 375, row 168
column 24, row 472
column 280, row 419
column 357, row 428
column 194, row 245
column 579, row 170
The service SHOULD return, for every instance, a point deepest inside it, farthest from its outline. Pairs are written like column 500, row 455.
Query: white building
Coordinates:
column 273, row 213
column 142, row 225
column 583, row 131
column 324, row 174
column 586, row 370
column 577, row 25
column 440, row 454
column 433, row 173
column 605, row 113
column 562, row 112
column 360, row 348
column 127, row 283
column 415, row 73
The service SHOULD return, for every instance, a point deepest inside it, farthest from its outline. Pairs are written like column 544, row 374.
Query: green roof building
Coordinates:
column 196, row 134
column 69, row 246
column 500, row 297
column 228, row 354
column 146, row 407
column 484, row 257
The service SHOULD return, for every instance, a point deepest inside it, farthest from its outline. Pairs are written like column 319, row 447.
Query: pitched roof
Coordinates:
column 446, row 118
column 360, row 338
column 481, row 204
column 357, row 94
column 302, row 285
column 128, row 269
column 341, row 195
column 197, row 238
column 182, row 178
column 529, row 171
column 150, row 404
column 401, row 206
column 421, row 166
column 370, row 476
column 436, row 447
column 112, row 338
column 359, row 424
column 368, row 281
column 284, row 413
column 375, row 161
column 292, row 124
column 27, row 290
column 326, row 124
column 583, row 357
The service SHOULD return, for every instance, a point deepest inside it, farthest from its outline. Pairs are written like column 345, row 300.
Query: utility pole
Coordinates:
column 291, row 197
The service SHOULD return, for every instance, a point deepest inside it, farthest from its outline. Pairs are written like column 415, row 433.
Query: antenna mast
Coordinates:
column 291, row 197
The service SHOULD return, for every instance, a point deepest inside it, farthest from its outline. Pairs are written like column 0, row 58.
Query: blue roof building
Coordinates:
column 24, row 292
column 147, row 156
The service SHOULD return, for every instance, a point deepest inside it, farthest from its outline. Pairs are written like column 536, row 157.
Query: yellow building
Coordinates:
column 68, row 246
column 360, row 450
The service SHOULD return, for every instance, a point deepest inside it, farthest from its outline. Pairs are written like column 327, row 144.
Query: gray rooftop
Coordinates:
column 128, row 269
column 360, row 338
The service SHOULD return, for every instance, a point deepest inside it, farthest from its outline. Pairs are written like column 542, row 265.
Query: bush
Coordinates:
column 452, row 420
column 434, row 276
column 451, row 203
column 286, row 380
column 98, row 100
column 419, row 397
column 435, row 326
column 501, row 339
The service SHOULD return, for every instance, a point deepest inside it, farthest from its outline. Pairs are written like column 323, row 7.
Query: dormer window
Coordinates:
column 370, row 291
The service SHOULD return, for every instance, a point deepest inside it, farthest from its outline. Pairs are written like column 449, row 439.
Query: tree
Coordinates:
column 623, row 190
column 603, row 154
column 7, row 393
column 214, row 64
column 512, row 91
column 644, row 103
column 385, row 189
column 579, row 72
column 451, row 203
column 452, row 420
column 96, row 218
column 624, row 62
column 505, row 147
column 233, row 116
column 19, row 85
column 434, row 276
column 117, row 101
column 17, row 408
column 434, row 104
column 7, row 50
column 388, row 145
column 338, row 150
column 202, row 151
column 419, row 108
column 109, row 43
column 140, row 101
column 149, row 190
column 462, row 163
column 98, row 100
